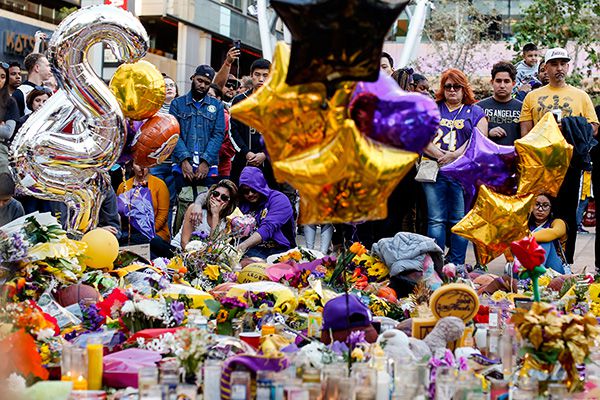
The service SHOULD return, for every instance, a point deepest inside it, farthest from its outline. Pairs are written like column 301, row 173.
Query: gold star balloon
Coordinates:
column 347, row 180
column 291, row 118
column 494, row 222
column 313, row 144
column 544, row 156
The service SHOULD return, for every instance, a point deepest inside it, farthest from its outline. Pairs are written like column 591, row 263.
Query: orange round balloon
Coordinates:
column 155, row 140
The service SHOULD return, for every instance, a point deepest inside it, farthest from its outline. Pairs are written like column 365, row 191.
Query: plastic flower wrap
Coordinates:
column 552, row 337
column 242, row 226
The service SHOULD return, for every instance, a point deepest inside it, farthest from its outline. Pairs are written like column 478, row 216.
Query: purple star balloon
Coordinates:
column 484, row 163
column 385, row 113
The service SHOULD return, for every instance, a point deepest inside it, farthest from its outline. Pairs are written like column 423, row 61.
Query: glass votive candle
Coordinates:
column 147, row 377
column 79, row 368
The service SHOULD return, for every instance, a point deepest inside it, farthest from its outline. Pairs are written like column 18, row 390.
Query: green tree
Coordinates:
column 556, row 23
column 64, row 12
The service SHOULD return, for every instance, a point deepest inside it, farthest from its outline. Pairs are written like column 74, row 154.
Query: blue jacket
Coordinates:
column 202, row 127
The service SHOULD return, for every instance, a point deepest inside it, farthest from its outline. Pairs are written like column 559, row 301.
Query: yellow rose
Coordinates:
column 358, row 354
column 212, row 272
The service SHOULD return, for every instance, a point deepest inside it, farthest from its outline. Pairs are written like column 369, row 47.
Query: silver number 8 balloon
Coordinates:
column 64, row 149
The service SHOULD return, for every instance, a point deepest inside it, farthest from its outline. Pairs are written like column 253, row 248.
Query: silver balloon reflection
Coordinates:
column 64, row 149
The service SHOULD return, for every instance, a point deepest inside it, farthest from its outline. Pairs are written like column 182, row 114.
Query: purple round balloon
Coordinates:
column 484, row 163
column 388, row 114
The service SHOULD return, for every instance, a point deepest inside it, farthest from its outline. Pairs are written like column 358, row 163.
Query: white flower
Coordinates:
column 195, row 245
column 151, row 308
column 45, row 334
column 15, row 383
column 128, row 307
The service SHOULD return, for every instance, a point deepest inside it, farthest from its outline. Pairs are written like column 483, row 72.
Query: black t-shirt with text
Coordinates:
column 505, row 115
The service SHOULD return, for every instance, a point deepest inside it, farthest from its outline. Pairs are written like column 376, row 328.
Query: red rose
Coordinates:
column 529, row 252
column 483, row 315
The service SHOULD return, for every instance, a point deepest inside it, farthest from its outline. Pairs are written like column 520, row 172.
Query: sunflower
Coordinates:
column 378, row 270
column 222, row 316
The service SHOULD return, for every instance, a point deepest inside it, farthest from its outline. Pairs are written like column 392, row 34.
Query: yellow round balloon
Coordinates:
column 102, row 249
column 139, row 89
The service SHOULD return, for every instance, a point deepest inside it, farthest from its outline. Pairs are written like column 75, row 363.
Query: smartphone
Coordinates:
column 237, row 44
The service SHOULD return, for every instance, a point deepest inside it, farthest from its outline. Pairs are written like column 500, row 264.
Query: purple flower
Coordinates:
column 92, row 320
column 229, row 277
column 233, row 302
column 339, row 348
column 177, row 311
column 202, row 235
column 355, row 338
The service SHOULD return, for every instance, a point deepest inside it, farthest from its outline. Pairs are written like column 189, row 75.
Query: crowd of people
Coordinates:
column 222, row 164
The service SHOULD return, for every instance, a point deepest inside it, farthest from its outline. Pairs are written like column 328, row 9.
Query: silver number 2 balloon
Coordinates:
column 64, row 149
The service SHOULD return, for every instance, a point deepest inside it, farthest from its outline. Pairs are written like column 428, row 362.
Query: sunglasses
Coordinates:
column 223, row 196
column 44, row 89
column 449, row 86
column 4, row 65
column 232, row 85
column 247, row 190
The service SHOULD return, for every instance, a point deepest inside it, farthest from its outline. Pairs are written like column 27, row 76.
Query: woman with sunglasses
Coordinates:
column 159, row 244
column 9, row 114
column 445, row 199
column 213, row 208
column 550, row 233
column 273, row 213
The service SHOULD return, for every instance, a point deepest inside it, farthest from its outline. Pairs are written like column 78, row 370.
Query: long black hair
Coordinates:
column 4, row 96
column 551, row 200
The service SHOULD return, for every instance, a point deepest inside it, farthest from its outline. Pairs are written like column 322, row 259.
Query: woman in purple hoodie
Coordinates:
column 272, row 211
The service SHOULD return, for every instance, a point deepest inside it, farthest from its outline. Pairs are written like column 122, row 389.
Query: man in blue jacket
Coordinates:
column 202, row 125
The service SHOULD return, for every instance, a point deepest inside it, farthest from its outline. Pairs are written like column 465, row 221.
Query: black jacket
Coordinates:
column 580, row 134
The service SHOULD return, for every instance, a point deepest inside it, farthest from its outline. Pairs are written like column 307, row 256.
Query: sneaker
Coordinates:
column 582, row 231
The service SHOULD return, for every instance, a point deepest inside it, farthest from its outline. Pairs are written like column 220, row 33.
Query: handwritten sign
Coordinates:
column 454, row 300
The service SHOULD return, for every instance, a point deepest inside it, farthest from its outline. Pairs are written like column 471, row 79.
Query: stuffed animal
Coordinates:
column 397, row 344
column 447, row 329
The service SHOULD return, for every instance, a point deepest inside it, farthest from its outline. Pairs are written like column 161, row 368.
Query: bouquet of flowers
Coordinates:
column 40, row 254
column 136, row 312
column 356, row 268
column 208, row 258
column 551, row 337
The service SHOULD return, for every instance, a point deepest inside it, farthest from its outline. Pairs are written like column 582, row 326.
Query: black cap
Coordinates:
column 206, row 71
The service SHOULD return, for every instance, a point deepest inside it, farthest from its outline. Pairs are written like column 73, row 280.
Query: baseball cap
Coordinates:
column 336, row 318
column 556, row 53
column 205, row 70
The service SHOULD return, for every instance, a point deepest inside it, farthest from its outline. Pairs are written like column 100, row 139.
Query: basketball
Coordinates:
column 253, row 273
column 155, row 140
column 75, row 293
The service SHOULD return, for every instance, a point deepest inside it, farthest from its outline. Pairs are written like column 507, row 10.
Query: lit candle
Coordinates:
column 80, row 383
column 66, row 377
column 94, row 356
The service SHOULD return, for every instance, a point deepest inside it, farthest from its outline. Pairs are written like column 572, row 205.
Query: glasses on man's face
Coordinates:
column 542, row 206
column 224, row 197
column 455, row 87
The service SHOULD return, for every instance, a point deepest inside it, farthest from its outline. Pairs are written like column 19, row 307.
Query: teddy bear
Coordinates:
column 396, row 344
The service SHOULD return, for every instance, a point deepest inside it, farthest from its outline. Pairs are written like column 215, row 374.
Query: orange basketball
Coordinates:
column 155, row 140
column 75, row 293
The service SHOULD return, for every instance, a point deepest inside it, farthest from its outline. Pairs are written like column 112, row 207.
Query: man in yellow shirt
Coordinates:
column 558, row 96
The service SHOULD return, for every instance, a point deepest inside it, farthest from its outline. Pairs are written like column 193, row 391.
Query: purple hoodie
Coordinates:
column 273, row 212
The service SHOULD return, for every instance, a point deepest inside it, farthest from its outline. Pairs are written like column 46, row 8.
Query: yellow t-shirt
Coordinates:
column 572, row 101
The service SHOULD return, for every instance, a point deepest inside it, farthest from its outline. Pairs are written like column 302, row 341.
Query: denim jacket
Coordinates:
column 202, row 127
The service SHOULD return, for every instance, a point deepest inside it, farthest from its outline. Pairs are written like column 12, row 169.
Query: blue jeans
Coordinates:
column 581, row 211
column 445, row 207
column 552, row 259
column 164, row 171
column 310, row 232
